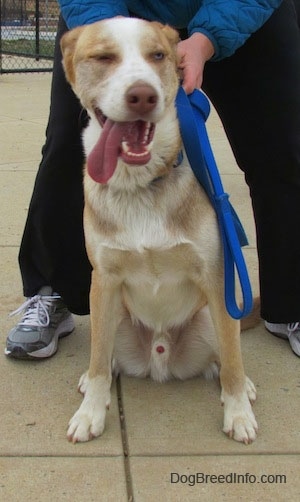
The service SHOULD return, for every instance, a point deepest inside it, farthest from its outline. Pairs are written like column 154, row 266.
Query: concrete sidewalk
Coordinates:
column 152, row 430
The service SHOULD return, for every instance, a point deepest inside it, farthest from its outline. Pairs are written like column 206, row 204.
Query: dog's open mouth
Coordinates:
column 131, row 141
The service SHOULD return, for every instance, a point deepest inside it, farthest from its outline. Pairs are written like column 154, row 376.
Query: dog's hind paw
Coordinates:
column 212, row 371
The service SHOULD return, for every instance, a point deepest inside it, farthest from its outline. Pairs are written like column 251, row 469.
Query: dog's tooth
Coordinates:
column 132, row 154
column 146, row 133
column 125, row 147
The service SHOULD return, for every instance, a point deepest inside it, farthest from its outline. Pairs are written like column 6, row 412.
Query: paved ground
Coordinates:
column 164, row 429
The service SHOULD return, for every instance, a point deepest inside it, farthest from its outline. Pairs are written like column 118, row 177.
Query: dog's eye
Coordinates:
column 104, row 58
column 158, row 56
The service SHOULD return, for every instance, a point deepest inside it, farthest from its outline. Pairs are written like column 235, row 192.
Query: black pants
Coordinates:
column 52, row 249
column 257, row 95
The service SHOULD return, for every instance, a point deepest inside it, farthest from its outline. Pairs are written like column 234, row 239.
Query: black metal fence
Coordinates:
column 28, row 29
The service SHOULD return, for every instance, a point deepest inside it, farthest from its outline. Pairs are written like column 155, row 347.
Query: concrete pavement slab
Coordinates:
column 227, row 478
column 21, row 141
column 37, row 400
column 185, row 418
column 71, row 479
column 16, row 189
column 25, row 97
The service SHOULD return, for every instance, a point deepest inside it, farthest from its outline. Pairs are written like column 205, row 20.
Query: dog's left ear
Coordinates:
column 68, row 44
column 171, row 34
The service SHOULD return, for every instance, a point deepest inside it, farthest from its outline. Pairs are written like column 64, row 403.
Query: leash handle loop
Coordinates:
column 193, row 110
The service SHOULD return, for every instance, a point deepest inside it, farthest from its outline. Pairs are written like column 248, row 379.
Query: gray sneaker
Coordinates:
column 290, row 332
column 45, row 320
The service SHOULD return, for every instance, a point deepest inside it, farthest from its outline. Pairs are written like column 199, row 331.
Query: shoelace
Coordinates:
column 292, row 327
column 36, row 310
column 294, row 336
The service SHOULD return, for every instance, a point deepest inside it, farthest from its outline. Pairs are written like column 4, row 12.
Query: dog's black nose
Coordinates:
column 141, row 98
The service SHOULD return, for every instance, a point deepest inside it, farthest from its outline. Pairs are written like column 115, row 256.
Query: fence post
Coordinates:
column 0, row 37
column 37, row 29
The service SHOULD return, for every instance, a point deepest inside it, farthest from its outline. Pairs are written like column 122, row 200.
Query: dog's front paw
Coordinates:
column 239, row 420
column 89, row 420
column 84, row 426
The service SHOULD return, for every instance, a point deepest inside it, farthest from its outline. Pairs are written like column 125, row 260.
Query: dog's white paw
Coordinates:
column 85, row 424
column 239, row 420
column 89, row 420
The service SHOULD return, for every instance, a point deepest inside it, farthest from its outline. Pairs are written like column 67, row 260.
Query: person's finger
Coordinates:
column 192, row 54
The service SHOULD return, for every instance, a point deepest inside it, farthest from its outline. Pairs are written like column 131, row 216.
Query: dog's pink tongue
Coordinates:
column 102, row 161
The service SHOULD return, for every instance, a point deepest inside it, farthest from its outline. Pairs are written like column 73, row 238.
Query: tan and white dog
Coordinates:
column 157, row 305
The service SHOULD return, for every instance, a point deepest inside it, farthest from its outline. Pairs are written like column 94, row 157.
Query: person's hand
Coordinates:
column 192, row 55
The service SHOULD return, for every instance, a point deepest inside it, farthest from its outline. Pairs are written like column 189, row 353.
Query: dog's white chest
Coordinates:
column 141, row 230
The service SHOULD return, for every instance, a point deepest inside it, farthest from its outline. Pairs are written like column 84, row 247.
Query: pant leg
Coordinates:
column 257, row 95
column 52, row 249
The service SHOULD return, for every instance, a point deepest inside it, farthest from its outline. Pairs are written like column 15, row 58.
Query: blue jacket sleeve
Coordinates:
column 229, row 24
column 80, row 12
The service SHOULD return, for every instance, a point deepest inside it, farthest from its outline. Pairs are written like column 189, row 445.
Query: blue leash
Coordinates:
column 192, row 111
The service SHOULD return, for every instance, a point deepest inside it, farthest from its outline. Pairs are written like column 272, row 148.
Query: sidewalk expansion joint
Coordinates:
column 124, row 440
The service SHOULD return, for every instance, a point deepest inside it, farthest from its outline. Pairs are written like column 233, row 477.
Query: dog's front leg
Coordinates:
column 238, row 392
column 89, row 420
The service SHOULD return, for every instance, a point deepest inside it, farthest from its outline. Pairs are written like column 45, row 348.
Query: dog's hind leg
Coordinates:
column 106, row 312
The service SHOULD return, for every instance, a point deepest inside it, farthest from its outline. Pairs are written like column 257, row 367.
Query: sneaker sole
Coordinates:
column 283, row 336
column 65, row 328
column 293, row 345
column 278, row 335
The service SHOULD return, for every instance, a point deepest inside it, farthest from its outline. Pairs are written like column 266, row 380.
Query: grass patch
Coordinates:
column 25, row 47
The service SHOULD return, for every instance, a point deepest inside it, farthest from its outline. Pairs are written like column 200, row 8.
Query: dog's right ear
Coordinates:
column 68, row 44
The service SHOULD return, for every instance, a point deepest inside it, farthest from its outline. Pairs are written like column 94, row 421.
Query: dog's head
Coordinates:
column 124, row 71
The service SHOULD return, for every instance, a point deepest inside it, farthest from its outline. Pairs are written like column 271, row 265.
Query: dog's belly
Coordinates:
column 161, row 290
column 161, row 306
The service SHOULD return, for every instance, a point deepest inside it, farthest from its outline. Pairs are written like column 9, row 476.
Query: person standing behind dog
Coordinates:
column 246, row 57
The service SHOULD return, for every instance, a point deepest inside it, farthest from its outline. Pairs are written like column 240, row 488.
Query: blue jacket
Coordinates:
column 227, row 23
